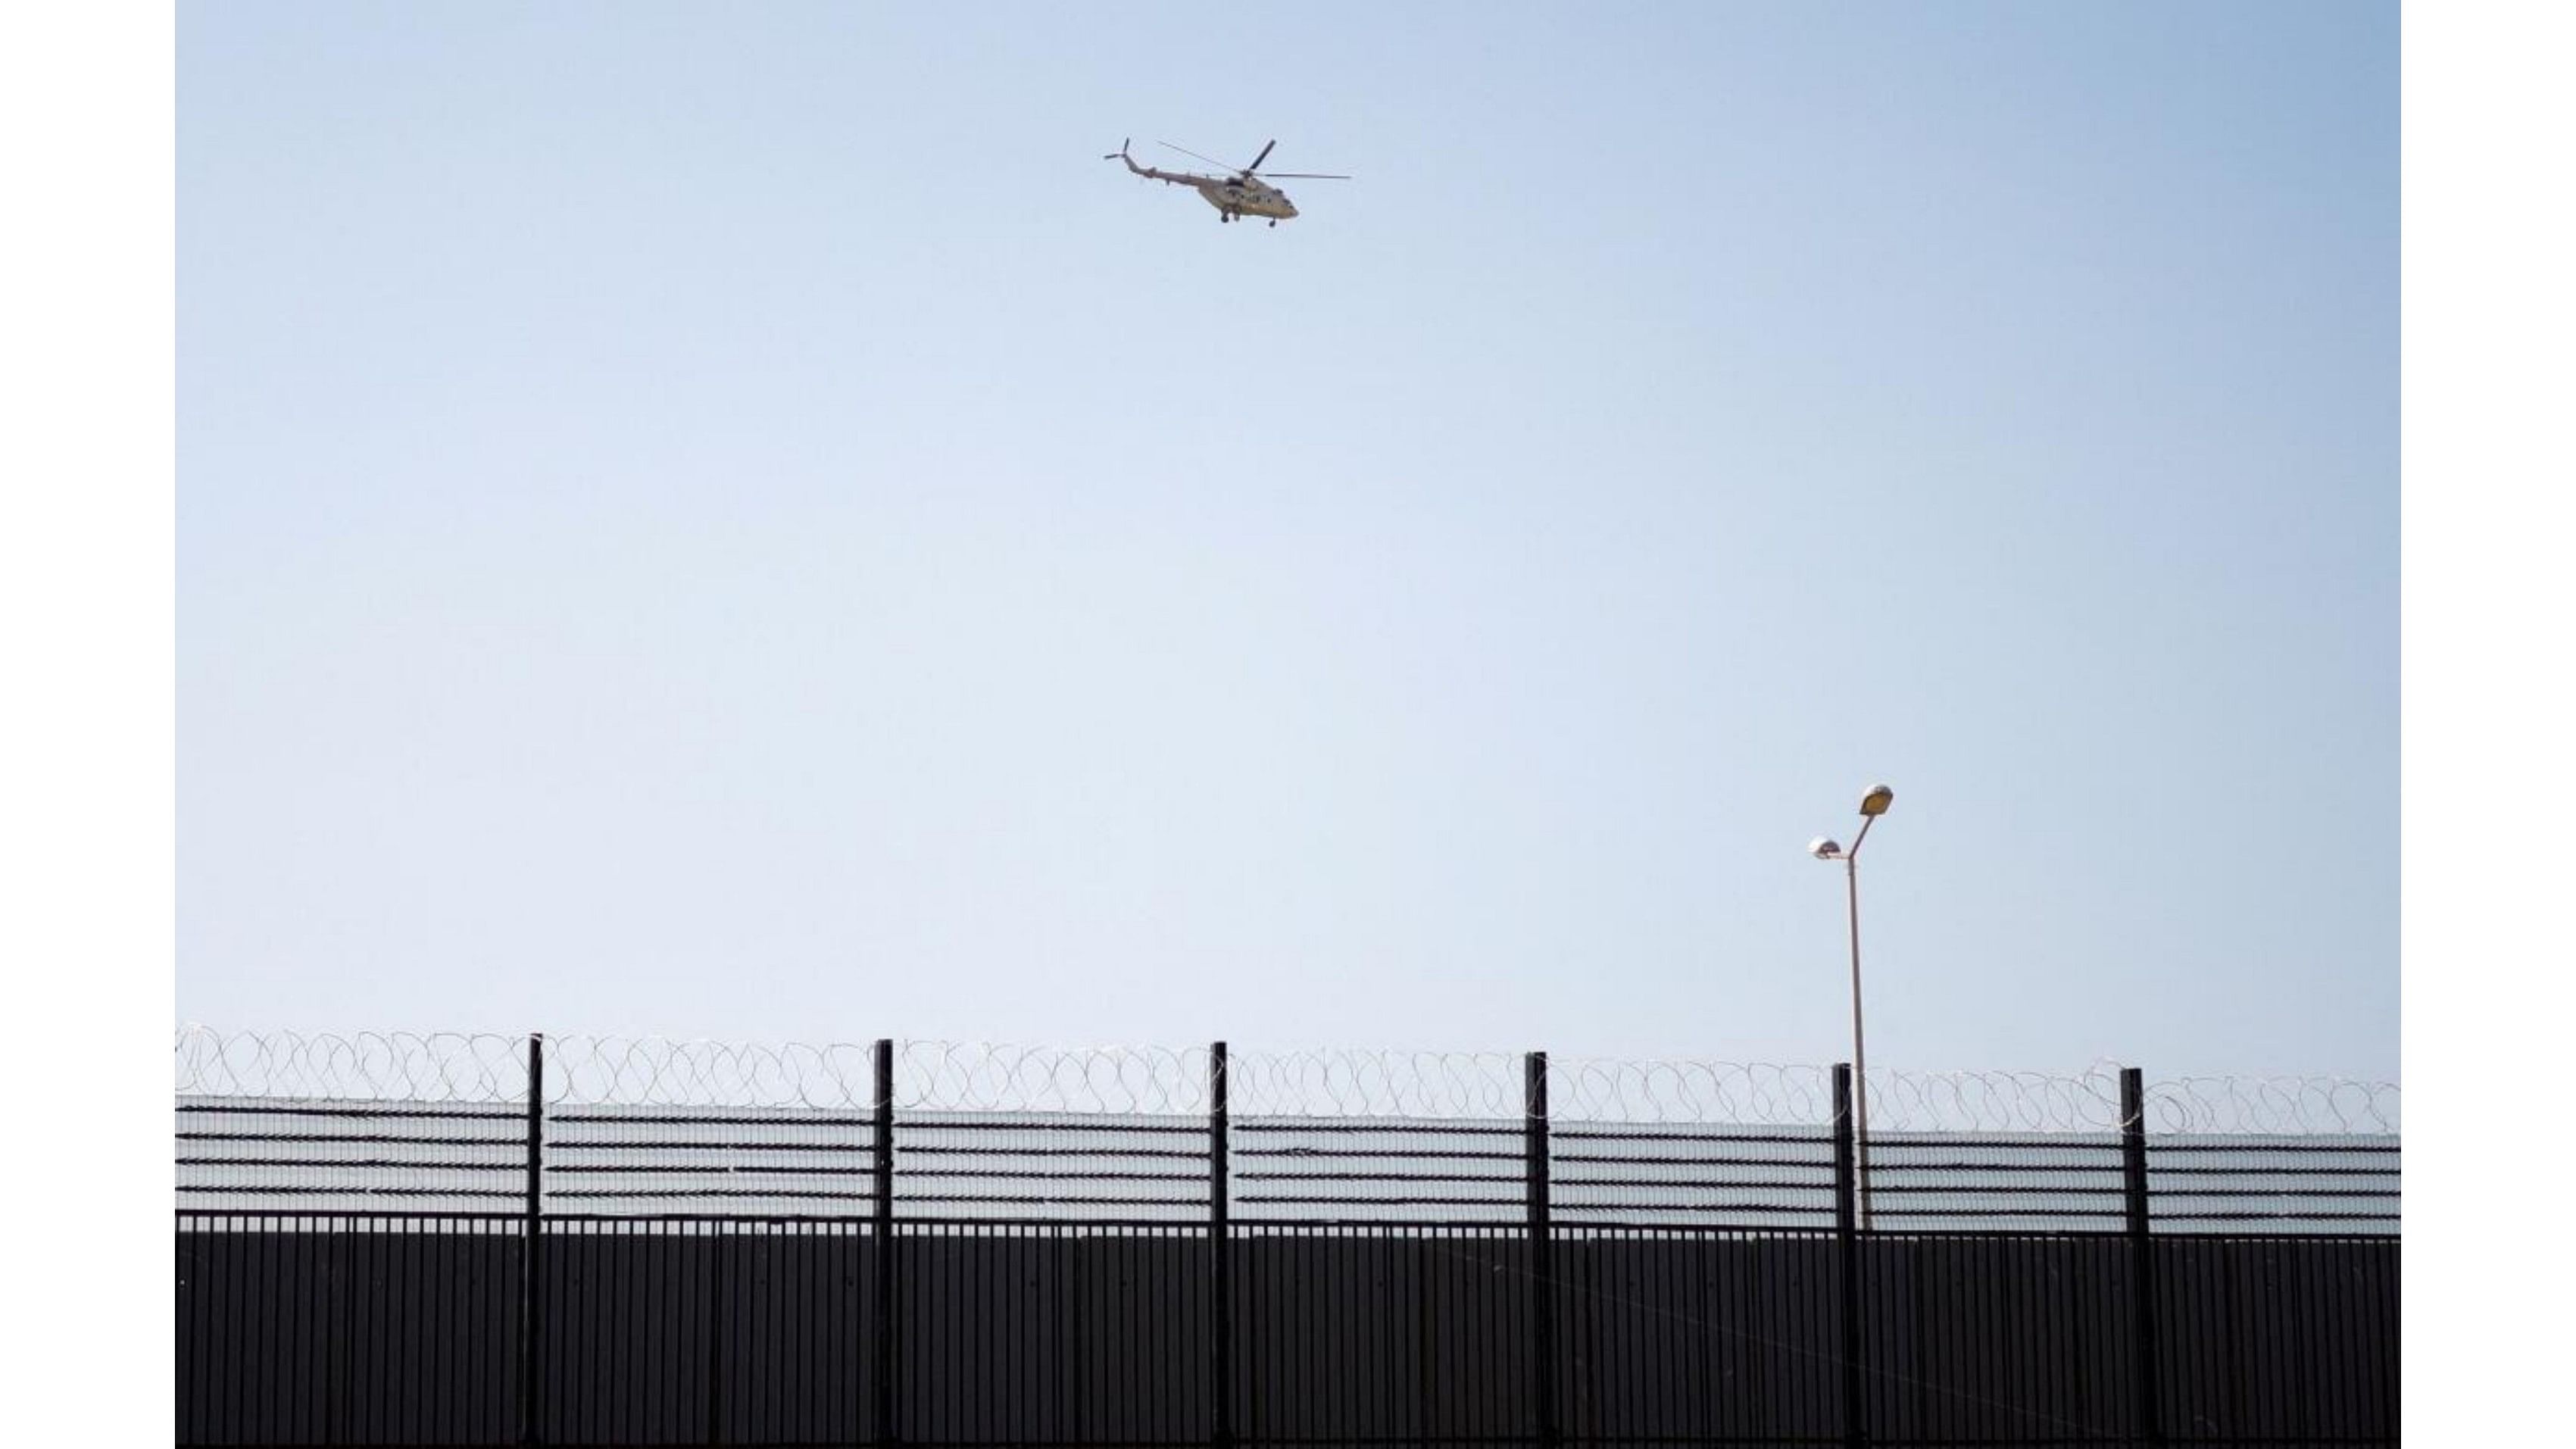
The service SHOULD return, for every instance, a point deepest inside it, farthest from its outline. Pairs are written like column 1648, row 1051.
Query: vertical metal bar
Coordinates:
column 2142, row 1288
column 406, row 1286
column 531, row 1314
column 1220, row 1259
column 1847, row 1243
column 258, row 1262
column 853, row 1406
column 610, row 1296
column 978, row 1336
column 1542, row 1256
column 883, row 1203
column 719, row 1296
column 341, row 1299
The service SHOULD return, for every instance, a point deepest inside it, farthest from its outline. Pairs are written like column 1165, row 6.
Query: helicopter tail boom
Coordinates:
column 1145, row 171
column 1152, row 174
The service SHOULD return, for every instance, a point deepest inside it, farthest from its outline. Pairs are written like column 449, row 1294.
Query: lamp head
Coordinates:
column 1877, row 800
column 1825, row 848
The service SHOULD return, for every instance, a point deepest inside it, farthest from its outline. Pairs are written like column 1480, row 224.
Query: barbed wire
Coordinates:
column 661, row 1072
column 1001, row 1077
column 1995, row 1101
column 1407, row 1085
column 1715, row 1093
column 379, row 1066
column 2276, row 1105
column 1412, row 1084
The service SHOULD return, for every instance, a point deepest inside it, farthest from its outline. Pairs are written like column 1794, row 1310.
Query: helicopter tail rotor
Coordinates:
column 1121, row 153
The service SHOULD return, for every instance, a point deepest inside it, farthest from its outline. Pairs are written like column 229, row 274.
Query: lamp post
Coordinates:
column 1872, row 805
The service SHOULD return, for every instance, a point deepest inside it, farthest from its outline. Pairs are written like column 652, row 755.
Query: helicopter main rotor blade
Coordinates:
column 1195, row 156
column 1257, row 160
column 1308, row 175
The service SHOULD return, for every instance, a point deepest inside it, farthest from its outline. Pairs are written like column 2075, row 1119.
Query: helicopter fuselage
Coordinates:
column 1241, row 200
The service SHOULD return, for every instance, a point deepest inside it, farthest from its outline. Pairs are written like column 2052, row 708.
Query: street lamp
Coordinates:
column 1872, row 805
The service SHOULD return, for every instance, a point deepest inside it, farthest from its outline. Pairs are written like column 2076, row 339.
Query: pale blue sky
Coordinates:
column 735, row 521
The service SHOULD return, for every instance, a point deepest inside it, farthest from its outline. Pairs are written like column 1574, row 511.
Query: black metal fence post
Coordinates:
column 883, row 1203
column 1542, row 1254
column 1220, row 1257
column 531, row 1250
column 2142, row 1286
column 1847, row 1255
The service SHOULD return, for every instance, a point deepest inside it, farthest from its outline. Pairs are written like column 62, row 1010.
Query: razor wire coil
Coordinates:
column 1419, row 1087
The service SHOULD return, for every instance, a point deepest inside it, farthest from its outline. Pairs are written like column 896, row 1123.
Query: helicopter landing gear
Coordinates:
column 1274, row 221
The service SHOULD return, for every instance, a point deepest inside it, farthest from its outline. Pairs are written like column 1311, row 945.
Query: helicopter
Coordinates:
column 1246, row 193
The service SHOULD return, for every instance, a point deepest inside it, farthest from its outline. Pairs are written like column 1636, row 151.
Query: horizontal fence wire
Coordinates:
column 1068, row 1166
column 645, row 1127
column 2219, row 1183
column 1744, row 1177
column 2033, row 1182
column 318, row 1157
column 661, row 1159
column 1390, row 1169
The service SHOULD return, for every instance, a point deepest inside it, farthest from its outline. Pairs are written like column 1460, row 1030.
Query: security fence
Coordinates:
column 453, row 1239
